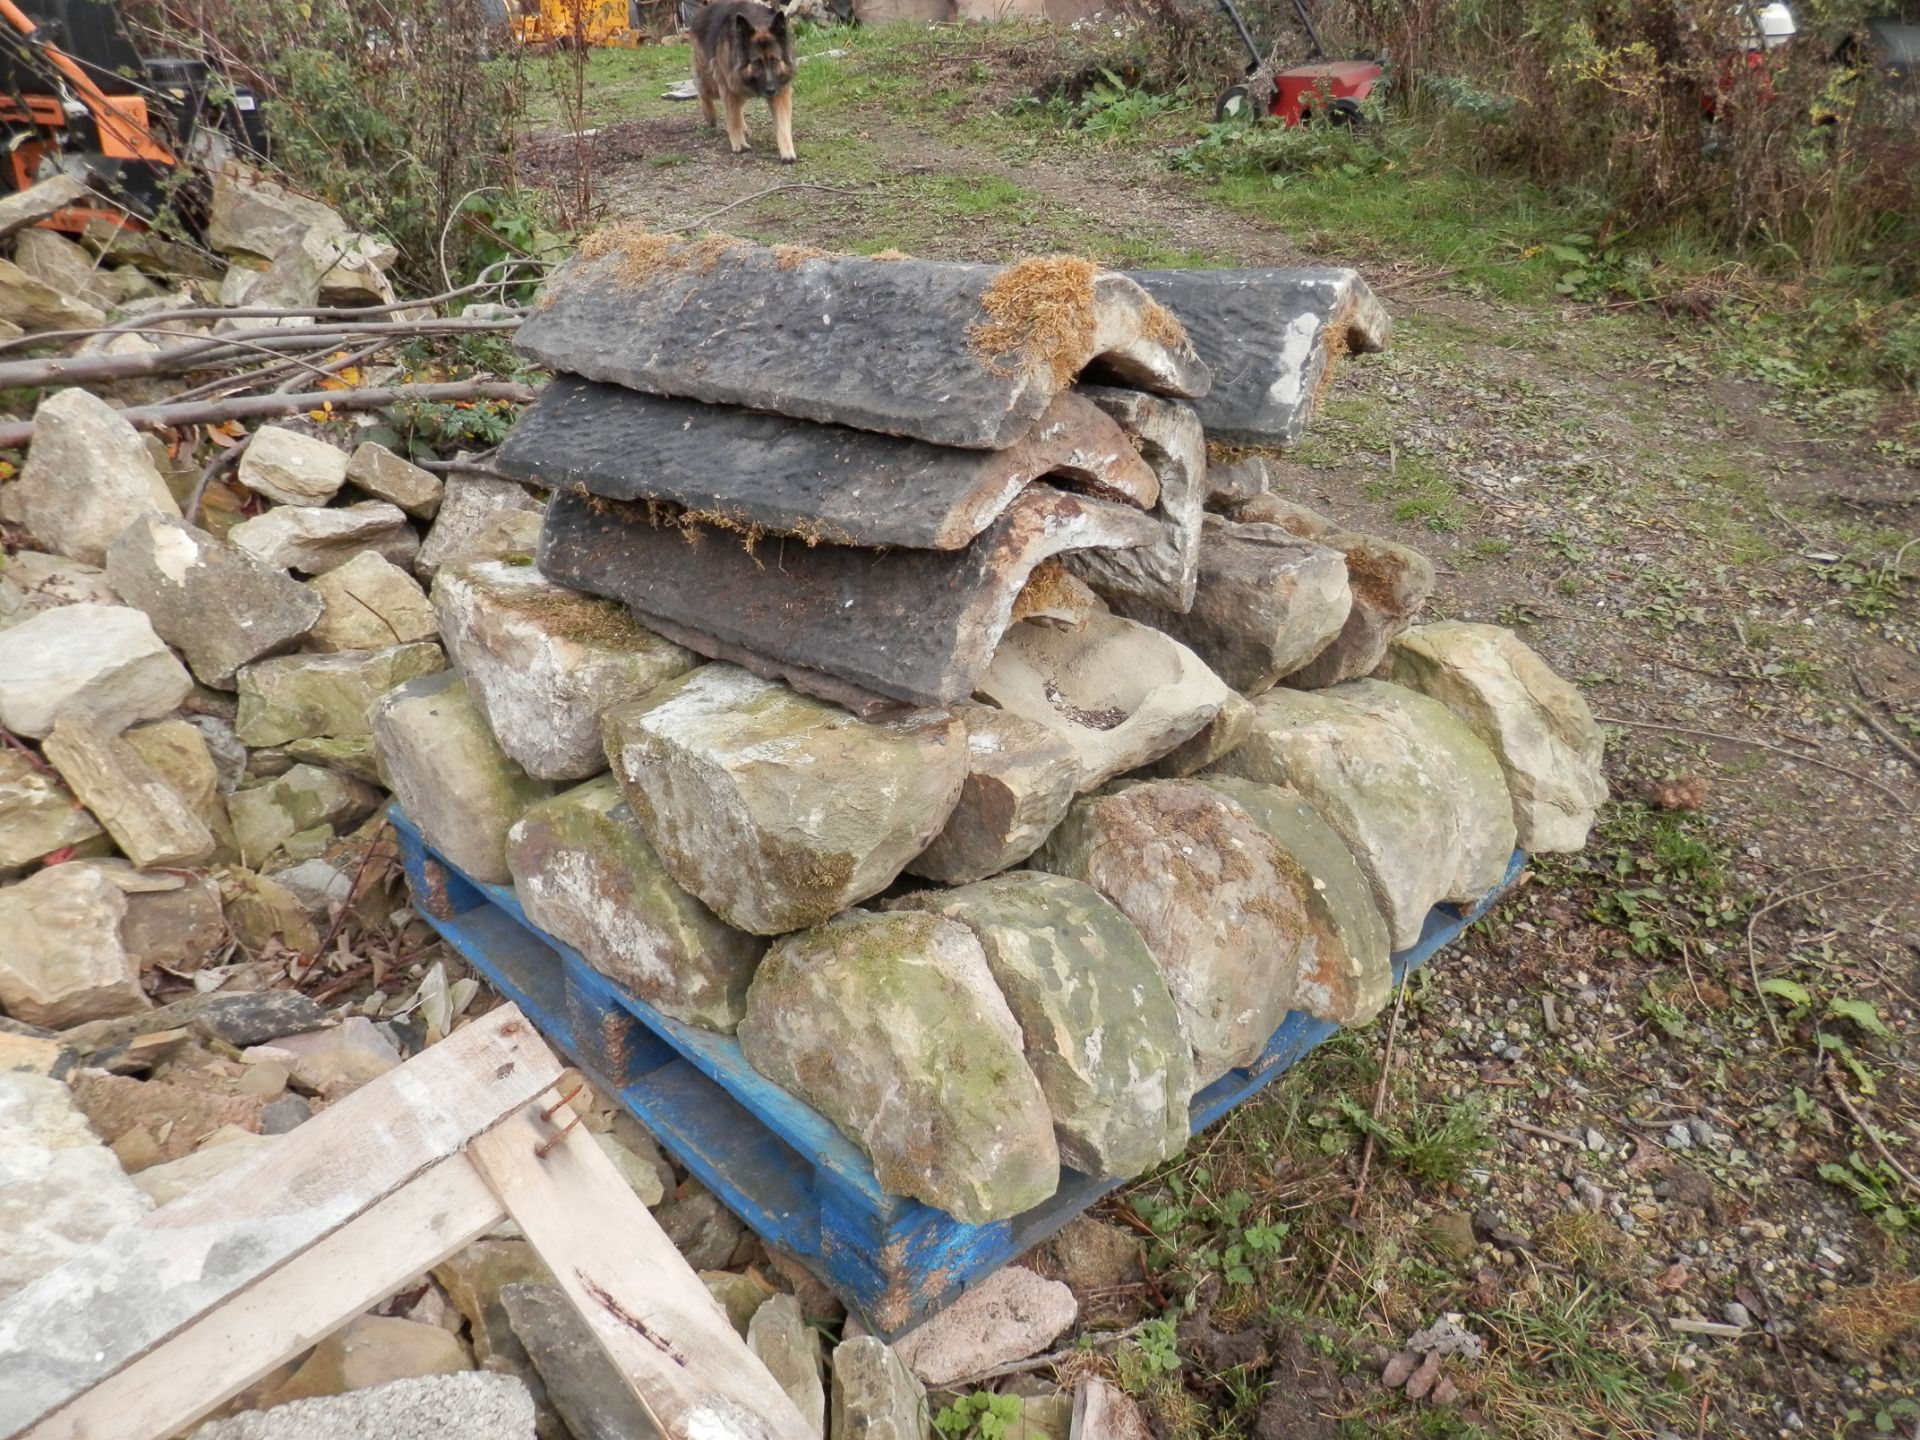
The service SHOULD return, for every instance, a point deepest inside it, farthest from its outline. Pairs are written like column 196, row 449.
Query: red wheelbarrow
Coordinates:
column 1318, row 88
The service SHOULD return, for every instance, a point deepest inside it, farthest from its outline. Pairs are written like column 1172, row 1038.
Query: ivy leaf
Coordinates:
column 1787, row 990
column 1861, row 1014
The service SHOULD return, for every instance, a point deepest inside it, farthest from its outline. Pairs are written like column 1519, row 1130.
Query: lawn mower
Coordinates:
column 1317, row 88
column 76, row 98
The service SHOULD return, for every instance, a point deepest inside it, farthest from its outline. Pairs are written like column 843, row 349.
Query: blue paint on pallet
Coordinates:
column 777, row 1163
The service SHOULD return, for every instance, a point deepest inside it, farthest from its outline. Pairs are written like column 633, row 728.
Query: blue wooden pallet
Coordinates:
column 778, row 1164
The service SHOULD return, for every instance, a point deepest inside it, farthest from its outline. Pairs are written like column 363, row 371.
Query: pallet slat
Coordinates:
column 776, row 1162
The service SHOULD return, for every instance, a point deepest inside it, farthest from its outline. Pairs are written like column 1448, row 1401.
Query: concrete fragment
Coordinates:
column 377, row 471
column 467, row 1405
column 252, row 215
column 580, row 1383
column 790, row 1349
column 1119, row 693
column 265, row 816
column 543, row 663
column 34, row 305
column 586, row 874
column 218, row 603
column 1537, row 725
column 63, row 963
column 88, row 476
column 947, row 353
column 1347, row 973
column 37, row 813
column 1265, row 604
column 170, row 1180
column 891, row 1026
column 150, row 821
column 1166, row 568
column 1099, row 1026
column 1011, row 1314
column 875, row 1396
column 372, row 1350
column 61, row 1190
column 98, row 662
column 845, row 623
column 758, row 472
column 314, row 540
column 1272, row 338
column 294, row 697
column 31, row 582
column 776, row 810
column 449, row 775
column 1217, row 902
column 290, row 468
column 467, row 504
column 1418, row 800
column 370, row 603
column 1021, row 777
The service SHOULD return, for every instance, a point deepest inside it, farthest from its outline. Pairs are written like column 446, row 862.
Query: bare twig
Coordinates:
column 761, row 195
column 261, row 407
column 1040, row 1362
column 1756, row 744
column 1873, row 1136
column 1546, row 1134
column 1753, row 959
column 229, row 456
column 1880, row 727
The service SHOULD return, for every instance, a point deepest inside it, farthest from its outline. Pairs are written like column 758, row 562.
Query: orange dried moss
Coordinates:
column 1039, row 319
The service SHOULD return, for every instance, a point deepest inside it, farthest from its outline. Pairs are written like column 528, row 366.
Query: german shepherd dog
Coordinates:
column 741, row 49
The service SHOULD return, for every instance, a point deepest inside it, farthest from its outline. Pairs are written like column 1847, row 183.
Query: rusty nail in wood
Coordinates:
column 547, row 1145
column 547, row 1114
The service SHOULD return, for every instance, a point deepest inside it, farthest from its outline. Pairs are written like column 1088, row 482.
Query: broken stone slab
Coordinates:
column 335, row 1061
column 252, row 215
column 859, row 627
column 294, row 697
column 31, row 582
column 1272, row 338
column 314, row 539
column 1419, row 801
column 352, row 268
column 1537, row 725
column 177, row 927
column 1218, row 737
column 290, row 468
column 703, row 1230
column 58, row 262
column 580, row 1383
column 874, row 1395
column 61, row 1190
column 1021, row 777
column 1347, row 972
column 1099, row 1025
column 150, row 821
column 1236, row 482
column 774, row 809
column 353, row 755
column 471, row 1405
column 1389, row 581
column 63, row 963
column 171, row 1179
column 755, row 472
column 377, row 471
column 98, row 662
column 218, row 603
column 38, row 814
column 88, row 477
column 257, row 1017
column 34, row 305
column 291, row 282
column 1011, row 1314
column 468, row 506
column 476, row 1280
column 966, row 355
column 370, row 603
column 1120, row 693
column 891, row 1026
column 264, row 913
column 21, row 208
column 586, row 874
column 543, row 663
column 178, row 753
column 450, row 776
column 1266, row 603
column 1217, row 902
column 265, row 816
column 790, row 1349
column 372, row 1350
column 149, row 1122
column 1165, row 570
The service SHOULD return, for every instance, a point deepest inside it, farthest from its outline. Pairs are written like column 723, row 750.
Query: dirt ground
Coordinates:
column 1671, row 1081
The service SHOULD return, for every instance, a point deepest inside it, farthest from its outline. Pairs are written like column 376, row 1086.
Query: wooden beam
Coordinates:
column 646, row 1307
column 179, row 1381
column 72, row 1328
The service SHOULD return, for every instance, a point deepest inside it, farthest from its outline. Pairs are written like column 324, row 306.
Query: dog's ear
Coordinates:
column 745, row 27
column 779, row 26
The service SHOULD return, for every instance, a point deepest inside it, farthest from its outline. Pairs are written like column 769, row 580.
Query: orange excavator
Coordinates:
column 78, row 99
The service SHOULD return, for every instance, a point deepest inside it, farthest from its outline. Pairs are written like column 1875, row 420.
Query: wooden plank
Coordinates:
column 215, row 1358
column 74, row 1327
column 646, row 1307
